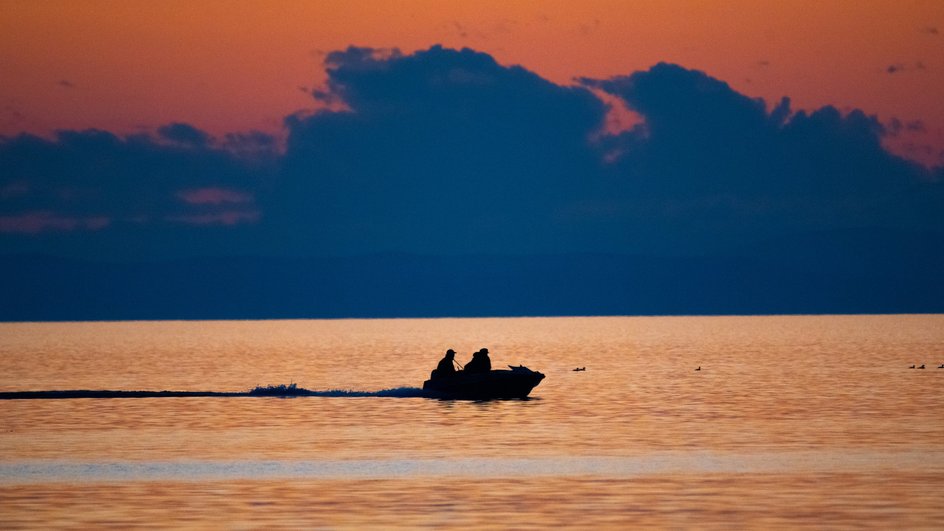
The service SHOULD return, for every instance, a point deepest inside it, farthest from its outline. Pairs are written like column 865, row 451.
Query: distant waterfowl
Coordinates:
column 922, row 366
column 912, row 367
column 941, row 366
column 699, row 368
column 576, row 369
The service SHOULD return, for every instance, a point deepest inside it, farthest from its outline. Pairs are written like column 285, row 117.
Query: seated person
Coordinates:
column 480, row 362
column 445, row 367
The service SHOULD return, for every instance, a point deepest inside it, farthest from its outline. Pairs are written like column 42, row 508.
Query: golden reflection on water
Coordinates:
column 823, row 384
column 820, row 501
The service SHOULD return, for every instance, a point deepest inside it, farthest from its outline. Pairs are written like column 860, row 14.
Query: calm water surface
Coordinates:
column 805, row 421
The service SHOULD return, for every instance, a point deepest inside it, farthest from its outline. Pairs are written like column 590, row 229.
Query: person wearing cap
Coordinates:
column 446, row 366
column 480, row 362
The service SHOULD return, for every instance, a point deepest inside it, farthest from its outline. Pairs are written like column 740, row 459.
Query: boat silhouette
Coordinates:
column 514, row 382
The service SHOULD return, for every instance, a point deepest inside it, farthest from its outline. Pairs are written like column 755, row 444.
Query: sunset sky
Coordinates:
column 758, row 135
column 226, row 66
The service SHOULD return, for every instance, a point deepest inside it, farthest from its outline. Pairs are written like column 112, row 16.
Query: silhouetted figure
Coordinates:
column 941, row 366
column 912, row 367
column 446, row 366
column 480, row 362
column 922, row 366
column 578, row 369
column 699, row 368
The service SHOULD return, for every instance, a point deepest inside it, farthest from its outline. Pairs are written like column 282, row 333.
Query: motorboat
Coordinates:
column 514, row 382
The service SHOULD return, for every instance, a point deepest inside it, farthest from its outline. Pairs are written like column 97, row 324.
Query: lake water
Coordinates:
column 799, row 421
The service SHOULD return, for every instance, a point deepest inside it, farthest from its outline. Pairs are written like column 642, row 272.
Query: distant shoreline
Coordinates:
column 444, row 317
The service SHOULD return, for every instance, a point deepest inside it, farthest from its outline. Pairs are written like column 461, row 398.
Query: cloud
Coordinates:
column 184, row 134
column 711, row 165
column 448, row 152
column 916, row 66
column 460, row 29
column 213, row 196
column 252, row 147
column 895, row 126
column 229, row 217
column 441, row 150
column 81, row 181
column 11, row 117
column 36, row 222
column 916, row 126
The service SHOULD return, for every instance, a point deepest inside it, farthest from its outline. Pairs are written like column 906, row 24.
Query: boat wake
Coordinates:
column 279, row 391
column 293, row 390
column 396, row 392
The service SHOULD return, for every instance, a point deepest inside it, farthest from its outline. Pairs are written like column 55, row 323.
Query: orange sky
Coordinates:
column 235, row 65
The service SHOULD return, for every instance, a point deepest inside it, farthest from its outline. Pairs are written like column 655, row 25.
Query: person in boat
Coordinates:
column 446, row 365
column 480, row 362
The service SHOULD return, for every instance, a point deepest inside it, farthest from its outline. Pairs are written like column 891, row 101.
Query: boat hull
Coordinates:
column 515, row 383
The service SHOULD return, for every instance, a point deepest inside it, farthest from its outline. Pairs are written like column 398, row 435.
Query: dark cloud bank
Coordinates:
column 443, row 183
